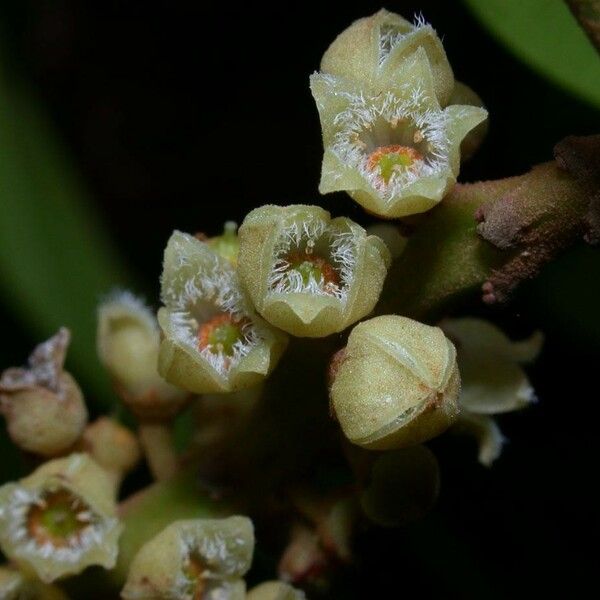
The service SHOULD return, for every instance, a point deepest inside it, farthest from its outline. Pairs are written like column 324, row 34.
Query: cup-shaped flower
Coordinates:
column 493, row 380
column 42, row 403
column 213, row 341
column 307, row 273
column 193, row 560
column 128, row 339
column 371, row 49
column 395, row 151
column 396, row 383
column 275, row 590
column 14, row 585
column 60, row 519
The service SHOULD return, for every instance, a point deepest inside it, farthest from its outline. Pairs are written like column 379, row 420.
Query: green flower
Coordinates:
column 192, row 560
column 371, row 49
column 307, row 273
column 395, row 384
column 60, row 519
column 493, row 381
column 213, row 341
column 396, row 151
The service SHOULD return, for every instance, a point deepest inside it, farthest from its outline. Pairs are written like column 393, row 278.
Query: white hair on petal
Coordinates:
column 360, row 118
column 390, row 35
column 304, row 237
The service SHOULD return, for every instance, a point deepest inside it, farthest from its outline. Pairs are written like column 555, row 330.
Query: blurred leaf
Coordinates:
column 544, row 34
column 55, row 258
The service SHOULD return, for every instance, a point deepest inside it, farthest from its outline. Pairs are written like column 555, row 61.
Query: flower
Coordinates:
column 493, row 381
column 42, row 403
column 370, row 50
column 307, row 273
column 60, row 519
column 194, row 559
column 213, row 341
column 395, row 384
column 395, row 150
column 275, row 590
column 128, row 340
column 227, row 244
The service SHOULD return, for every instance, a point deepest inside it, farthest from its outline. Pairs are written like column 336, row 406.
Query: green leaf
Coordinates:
column 544, row 35
column 55, row 258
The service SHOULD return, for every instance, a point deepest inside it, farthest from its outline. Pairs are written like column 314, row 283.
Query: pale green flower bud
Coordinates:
column 227, row 244
column 396, row 383
column 193, row 560
column 14, row 585
column 275, row 590
column 60, row 519
column 395, row 151
column 371, row 49
column 307, row 273
column 114, row 447
column 213, row 341
column 403, row 486
column 128, row 340
column 493, row 380
column 43, row 405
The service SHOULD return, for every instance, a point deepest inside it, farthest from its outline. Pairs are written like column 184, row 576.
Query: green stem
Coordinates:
column 587, row 12
column 157, row 441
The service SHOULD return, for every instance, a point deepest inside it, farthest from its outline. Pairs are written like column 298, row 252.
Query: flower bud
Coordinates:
column 42, row 403
column 212, row 339
column 485, row 431
column 190, row 560
column 114, row 447
column 15, row 586
column 128, row 341
column 275, row 590
column 403, row 486
column 396, row 151
column 227, row 244
column 60, row 519
column 307, row 273
column 396, row 384
column 370, row 50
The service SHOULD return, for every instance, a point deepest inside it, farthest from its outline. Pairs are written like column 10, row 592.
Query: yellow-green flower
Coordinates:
column 493, row 380
column 395, row 150
column 60, row 519
column 213, row 341
column 192, row 560
column 371, row 49
column 396, row 383
column 307, row 273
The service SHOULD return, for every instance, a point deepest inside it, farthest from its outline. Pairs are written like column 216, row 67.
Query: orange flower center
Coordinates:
column 309, row 266
column 391, row 159
column 221, row 333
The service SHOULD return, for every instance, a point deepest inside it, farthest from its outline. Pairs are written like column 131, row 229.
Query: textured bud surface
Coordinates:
column 308, row 274
column 193, row 560
column 213, row 340
column 60, row 519
column 397, row 383
column 42, row 403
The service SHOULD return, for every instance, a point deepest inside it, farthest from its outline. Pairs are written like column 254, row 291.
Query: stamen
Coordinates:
column 392, row 159
column 314, row 267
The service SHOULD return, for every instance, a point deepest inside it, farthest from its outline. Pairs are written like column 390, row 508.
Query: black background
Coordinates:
column 172, row 129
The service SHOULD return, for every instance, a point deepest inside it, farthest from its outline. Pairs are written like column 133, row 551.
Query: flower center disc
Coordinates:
column 220, row 334
column 310, row 266
column 389, row 159
column 58, row 518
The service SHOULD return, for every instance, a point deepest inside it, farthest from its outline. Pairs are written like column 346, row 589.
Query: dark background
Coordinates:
column 171, row 129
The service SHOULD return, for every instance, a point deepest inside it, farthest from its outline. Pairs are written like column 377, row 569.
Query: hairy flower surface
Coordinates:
column 396, row 383
column 396, row 151
column 201, row 559
column 128, row 340
column 213, row 340
column 371, row 49
column 60, row 519
column 42, row 403
column 493, row 380
column 307, row 273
